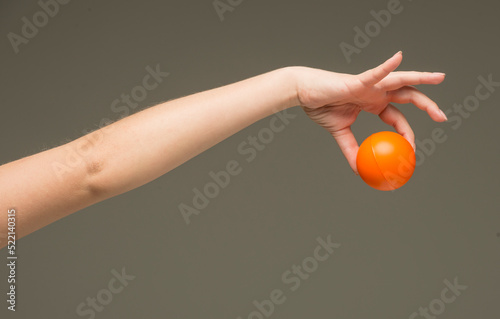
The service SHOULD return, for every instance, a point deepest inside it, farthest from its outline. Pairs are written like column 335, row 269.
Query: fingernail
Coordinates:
column 440, row 73
column 400, row 52
column 444, row 115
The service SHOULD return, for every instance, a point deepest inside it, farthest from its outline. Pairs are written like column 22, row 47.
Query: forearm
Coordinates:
column 135, row 150
column 146, row 145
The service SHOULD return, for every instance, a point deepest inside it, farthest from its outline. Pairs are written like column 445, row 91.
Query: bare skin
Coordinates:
column 129, row 153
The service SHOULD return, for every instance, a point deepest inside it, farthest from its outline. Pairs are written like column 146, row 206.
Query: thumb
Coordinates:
column 348, row 145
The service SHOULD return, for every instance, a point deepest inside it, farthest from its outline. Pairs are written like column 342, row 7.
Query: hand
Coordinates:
column 334, row 100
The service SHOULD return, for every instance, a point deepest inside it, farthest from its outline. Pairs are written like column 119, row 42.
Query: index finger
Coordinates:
column 375, row 75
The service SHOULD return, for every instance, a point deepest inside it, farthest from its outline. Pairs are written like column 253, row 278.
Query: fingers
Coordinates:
column 349, row 146
column 375, row 75
column 393, row 117
column 410, row 94
column 398, row 80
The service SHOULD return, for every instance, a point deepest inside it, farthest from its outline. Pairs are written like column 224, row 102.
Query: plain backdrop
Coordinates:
column 397, row 248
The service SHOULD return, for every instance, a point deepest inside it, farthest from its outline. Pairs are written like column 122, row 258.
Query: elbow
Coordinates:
column 94, row 185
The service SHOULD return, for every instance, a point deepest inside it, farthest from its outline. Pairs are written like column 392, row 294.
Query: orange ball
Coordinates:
column 386, row 161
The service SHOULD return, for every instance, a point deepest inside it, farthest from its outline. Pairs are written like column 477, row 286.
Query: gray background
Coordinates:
column 397, row 247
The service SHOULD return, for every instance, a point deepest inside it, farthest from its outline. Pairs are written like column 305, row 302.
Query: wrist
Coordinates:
column 290, row 78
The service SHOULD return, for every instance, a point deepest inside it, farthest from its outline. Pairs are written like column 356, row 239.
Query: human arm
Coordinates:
column 140, row 148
